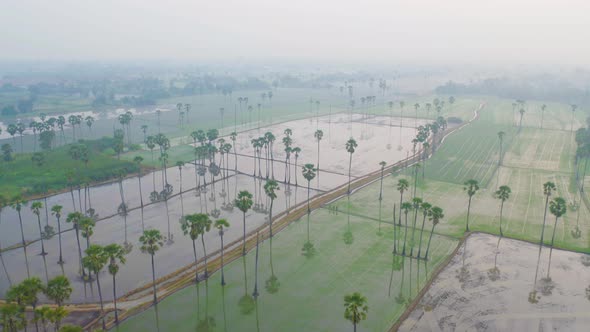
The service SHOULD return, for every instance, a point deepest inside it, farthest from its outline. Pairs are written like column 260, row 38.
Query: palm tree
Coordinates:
column 59, row 290
column 402, row 186
column 269, row 188
column 116, row 254
column 425, row 207
column 436, row 214
column 13, row 317
column 382, row 164
column 309, row 172
column 75, row 218
column 86, row 225
column 416, row 204
column 350, row 148
column 17, row 204
column 233, row 136
column 180, row 165
column 36, row 208
column 203, row 226
column 190, row 227
column 56, row 211
column 319, row 134
column 221, row 225
column 151, row 241
column 244, row 203
column 296, row 150
column 471, row 187
column 406, row 207
column 355, row 308
column 416, row 107
column 501, row 135
column 548, row 189
column 94, row 261
column 503, row 193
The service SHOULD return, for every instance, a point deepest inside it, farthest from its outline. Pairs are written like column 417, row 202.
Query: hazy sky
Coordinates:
column 428, row 31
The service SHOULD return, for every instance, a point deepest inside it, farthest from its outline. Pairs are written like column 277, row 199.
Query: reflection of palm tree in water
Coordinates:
column 170, row 236
column 223, row 308
column 494, row 273
column 157, row 317
column 463, row 273
column 533, row 298
column 272, row 283
column 246, row 302
column 397, row 264
column 208, row 322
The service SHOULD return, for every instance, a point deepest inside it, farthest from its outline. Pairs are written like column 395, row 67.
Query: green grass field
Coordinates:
column 21, row 177
column 311, row 290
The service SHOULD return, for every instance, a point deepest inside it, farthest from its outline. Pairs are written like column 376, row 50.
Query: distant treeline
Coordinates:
column 537, row 88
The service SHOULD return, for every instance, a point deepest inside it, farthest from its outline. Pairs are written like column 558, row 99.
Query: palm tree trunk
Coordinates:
column 22, row 232
column 394, row 232
column 308, row 209
column 140, row 192
column 115, row 299
column 501, row 209
column 196, row 262
column 154, row 280
column 222, row 276
column 99, row 293
column 468, row 210
column 429, row 239
column 421, row 233
column 551, row 247
column 413, row 232
column 544, row 219
column 204, row 254
column 244, row 238
column 405, row 234
column 349, row 167
column 79, row 250
column 270, row 217
column 43, row 253
column 381, row 186
column 401, row 197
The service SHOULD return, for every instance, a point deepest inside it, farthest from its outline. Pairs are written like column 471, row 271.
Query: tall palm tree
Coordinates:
column 501, row 135
column 382, row 164
column 548, row 189
column 471, row 187
column 435, row 215
column 416, row 204
column 319, row 134
column 36, row 208
column 406, row 207
column 94, row 261
column 416, row 107
column 351, row 145
column 17, row 204
column 151, row 241
column 190, row 227
column 221, row 225
column 270, row 188
column 86, row 225
column 425, row 207
column 56, row 211
column 116, row 254
column 296, row 150
column 180, row 165
column 503, row 193
column 244, row 203
column 203, row 226
column 309, row 172
column 355, row 308
column 233, row 136
column 75, row 218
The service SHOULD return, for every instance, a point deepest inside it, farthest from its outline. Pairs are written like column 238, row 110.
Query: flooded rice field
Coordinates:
column 495, row 284
column 116, row 227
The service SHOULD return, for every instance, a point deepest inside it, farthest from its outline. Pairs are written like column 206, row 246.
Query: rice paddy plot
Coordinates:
column 304, row 272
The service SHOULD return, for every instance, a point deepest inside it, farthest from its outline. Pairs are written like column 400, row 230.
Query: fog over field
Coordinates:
column 386, row 31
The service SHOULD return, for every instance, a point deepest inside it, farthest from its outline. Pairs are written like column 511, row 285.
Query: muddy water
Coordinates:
column 497, row 284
